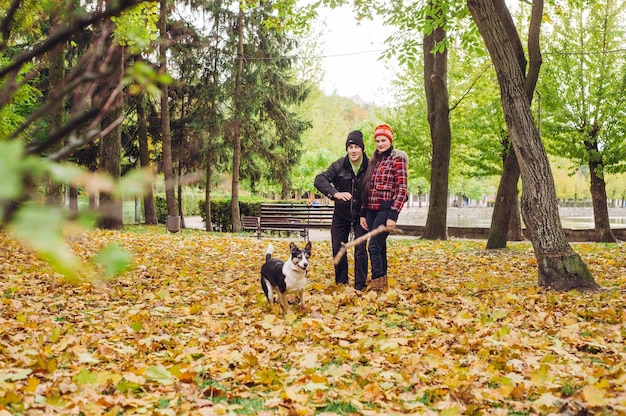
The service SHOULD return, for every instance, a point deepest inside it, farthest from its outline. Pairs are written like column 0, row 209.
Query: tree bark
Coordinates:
column 168, row 168
column 602, row 225
column 179, row 162
column 208, row 218
column 54, row 190
column 506, row 206
column 144, row 160
column 515, row 222
column 559, row 266
column 435, row 83
column 236, row 132
column 510, row 227
column 110, row 206
column 73, row 201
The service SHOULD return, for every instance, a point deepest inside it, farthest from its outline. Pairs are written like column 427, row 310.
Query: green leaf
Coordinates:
column 42, row 229
column 125, row 386
column 135, row 182
column 86, row 377
column 65, row 172
column 160, row 375
column 115, row 260
column 11, row 154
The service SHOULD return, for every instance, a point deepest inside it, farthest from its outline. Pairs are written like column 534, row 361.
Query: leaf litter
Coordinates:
column 187, row 330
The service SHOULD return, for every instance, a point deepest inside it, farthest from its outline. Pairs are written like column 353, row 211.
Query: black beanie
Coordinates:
column 355, row 137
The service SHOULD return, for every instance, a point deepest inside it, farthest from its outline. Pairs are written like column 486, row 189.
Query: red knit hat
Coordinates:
column 383, row 130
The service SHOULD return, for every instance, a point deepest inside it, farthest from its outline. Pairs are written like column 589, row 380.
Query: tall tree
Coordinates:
column 262, row 127
column 505, row 219
column 583, row 95
column 234, row 129
column 56, row 84
column 110, row 205
column 214, row 147
column 144, row 158
column 436, row 86
column 166, row 137
column 434, row 28
column 560, row 267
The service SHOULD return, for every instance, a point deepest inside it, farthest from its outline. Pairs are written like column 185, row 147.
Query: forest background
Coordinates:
column 580, row 92
column 207, row 94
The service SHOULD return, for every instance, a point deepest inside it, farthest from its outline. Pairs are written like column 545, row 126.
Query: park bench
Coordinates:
column 289, row 218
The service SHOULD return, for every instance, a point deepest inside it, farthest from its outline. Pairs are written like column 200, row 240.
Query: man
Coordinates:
column 341, row 182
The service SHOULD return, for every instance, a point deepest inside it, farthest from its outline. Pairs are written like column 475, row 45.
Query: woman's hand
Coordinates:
column 391, row 223
column 363, row 223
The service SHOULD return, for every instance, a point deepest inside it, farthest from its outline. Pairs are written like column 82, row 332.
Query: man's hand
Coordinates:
column 343, row 196
column 363, row 223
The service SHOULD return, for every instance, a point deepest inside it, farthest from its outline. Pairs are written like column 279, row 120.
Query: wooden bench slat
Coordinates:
column 290, row 218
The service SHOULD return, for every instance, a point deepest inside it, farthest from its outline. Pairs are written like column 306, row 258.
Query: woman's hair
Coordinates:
column 366, row 179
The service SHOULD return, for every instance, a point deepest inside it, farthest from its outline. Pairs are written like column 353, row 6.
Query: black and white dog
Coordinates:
column 283, row 277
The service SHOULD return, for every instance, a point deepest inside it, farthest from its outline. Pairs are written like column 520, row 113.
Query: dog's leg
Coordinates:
column 268, row 289
column 301, row 296
column 283, row 301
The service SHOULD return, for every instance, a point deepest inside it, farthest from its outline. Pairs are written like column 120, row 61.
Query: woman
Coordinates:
column 384, row 196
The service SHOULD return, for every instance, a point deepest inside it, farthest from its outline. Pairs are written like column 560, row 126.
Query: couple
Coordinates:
column 367, row 194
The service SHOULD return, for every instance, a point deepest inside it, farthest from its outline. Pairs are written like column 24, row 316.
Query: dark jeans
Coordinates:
column 378, row 244
column 339, row 232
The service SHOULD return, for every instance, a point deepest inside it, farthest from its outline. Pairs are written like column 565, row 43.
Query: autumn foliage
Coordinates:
column 187, row 330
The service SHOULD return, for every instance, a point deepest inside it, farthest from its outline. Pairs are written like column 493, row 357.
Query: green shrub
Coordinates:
column 190, row 206
column 160, row 205
column 220, row 212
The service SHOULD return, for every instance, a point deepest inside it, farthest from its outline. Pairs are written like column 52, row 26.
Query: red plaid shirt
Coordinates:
column 389, row 181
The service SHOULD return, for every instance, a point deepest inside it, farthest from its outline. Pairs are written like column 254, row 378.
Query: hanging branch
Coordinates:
column 362, row 239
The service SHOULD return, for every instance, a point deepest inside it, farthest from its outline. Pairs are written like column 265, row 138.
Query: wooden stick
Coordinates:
column 364, row 238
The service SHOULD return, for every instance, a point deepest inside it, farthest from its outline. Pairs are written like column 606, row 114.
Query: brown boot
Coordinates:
column 385, row 283
column 377, row 285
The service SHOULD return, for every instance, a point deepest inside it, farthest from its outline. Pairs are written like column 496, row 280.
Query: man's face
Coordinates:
column 355, row 153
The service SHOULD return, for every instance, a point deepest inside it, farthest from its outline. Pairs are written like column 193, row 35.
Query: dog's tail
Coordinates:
column 268, row 252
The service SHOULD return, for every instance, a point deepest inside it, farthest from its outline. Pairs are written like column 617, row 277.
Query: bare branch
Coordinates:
column 364, row 238
column 66, row 33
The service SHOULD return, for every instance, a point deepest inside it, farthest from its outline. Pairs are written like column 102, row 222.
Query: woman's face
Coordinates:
column 382, row 143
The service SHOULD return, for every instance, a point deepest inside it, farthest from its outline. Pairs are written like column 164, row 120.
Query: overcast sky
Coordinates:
column 351, row 55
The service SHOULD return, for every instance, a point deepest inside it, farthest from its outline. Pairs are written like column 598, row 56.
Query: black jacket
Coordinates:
column 340, row 177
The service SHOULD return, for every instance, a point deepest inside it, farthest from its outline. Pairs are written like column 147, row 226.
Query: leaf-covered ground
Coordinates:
column 187, row 330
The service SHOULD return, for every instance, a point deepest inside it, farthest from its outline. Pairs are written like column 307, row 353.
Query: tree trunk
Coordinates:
column 560, row 267
column 137, row 209
column 179, row 197
column 54, row 190
column 506, row 206
column 208, row 220
column 515, row 222
column 110, row 205
column 179, row 160
column 168, row 168
column 144, row 160
column 435, row 83
column 510, row 227
column 602, row 225
column 73, row 197
column 234, row 208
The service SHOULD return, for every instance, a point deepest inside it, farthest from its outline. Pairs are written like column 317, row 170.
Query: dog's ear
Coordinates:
column 292, row 247
column 308, row 246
